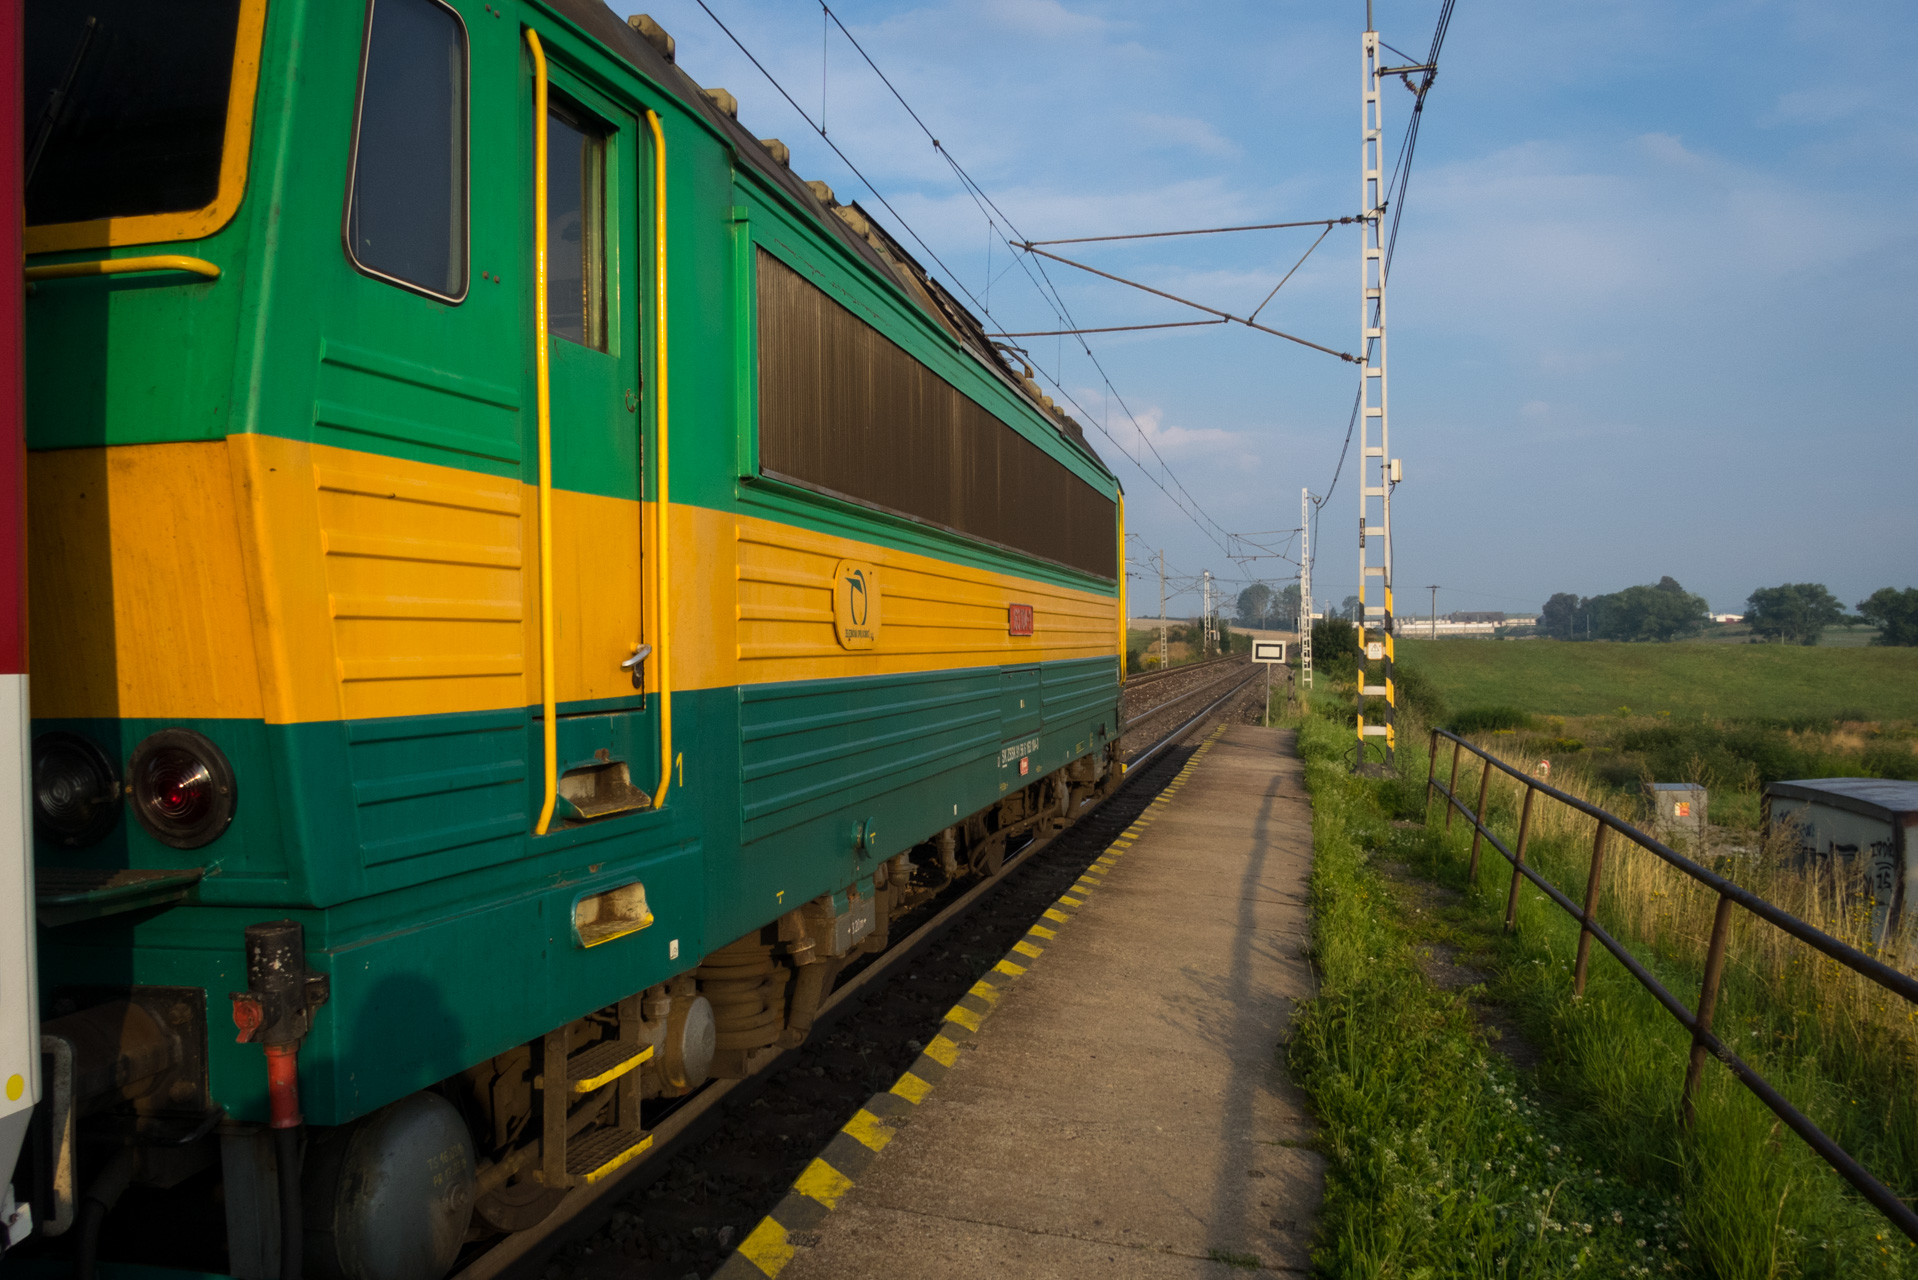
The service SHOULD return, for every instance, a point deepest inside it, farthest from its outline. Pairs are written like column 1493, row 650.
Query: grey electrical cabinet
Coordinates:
column 1678, row 811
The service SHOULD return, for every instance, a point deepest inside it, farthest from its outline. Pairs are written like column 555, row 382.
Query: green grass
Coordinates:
column 1549, row 677
column 1831, row 638
column 1442, row 1161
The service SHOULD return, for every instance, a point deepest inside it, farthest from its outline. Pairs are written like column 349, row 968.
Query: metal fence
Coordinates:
column 1699, row 1020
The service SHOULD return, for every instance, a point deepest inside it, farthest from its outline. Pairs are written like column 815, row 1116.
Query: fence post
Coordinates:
column 1591, row 907
column 1478, row 819
column 1524, row 830
column 1431, row 773
column 1707, row 999
column 1451, row 788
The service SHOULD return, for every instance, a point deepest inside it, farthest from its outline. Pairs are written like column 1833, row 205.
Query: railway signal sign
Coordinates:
column 1268, row 651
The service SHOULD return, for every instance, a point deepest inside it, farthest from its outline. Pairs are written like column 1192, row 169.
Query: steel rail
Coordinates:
column 1698, row 1024
column 1153, row 677
column 1174, row 701
column 533, row 1244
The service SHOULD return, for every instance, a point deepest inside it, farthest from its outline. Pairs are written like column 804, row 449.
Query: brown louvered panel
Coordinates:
column 844, row 410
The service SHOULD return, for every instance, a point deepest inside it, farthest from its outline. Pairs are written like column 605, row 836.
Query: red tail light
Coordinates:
column 183, row 789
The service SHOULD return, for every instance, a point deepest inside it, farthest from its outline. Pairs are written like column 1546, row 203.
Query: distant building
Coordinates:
column 1456, row 625
column 1855, row 830
column 1728, row 617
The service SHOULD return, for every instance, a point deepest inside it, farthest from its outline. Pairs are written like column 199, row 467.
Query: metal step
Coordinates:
column 63, row 895
column 605, row 1062
column 601, row 1152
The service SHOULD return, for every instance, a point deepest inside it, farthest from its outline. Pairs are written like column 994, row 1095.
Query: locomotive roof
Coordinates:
column 604, row 25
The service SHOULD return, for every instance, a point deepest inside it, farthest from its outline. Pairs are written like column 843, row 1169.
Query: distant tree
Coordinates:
column 1254, row 605
column 1352, row 610
column 1664, row 611
column 1893, row 612
column 1285, row 609
column 1562, row 617
column 1795, row 613
column 1335, row 645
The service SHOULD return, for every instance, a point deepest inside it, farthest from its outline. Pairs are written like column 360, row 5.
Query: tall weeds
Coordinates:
column 1756, row 1202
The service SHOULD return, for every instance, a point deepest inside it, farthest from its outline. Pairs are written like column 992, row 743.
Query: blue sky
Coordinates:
column 1652, row 309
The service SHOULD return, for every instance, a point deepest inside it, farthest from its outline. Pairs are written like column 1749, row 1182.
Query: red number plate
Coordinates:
column 1019, row 619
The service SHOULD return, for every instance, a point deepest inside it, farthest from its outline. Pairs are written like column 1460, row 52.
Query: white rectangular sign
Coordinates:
column 1268, row 651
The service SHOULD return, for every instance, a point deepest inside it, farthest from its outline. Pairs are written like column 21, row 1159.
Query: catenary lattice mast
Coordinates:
column 1304, row 619
column 1375, row 701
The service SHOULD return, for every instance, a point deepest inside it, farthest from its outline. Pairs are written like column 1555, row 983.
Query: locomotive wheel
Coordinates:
column 990, row 857
column 518, row 1205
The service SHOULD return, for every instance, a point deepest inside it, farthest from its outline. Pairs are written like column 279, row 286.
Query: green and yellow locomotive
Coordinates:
column 522, row 587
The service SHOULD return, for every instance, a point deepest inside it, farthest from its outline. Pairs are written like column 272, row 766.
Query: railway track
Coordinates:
column 723, row 1156
column 1140, row 680
column 1165, row 700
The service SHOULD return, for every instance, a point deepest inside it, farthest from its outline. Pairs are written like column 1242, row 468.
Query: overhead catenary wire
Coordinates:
column 1198, row 231
column 1404, row 174
column 1048, row 291
column 844, row 158
column 1288, row 275
column 1197, row 306
column 1110, row 328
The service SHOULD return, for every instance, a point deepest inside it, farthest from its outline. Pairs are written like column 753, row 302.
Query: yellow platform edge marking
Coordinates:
column 823, row 1183
column 767, row 1247
column 963, row 1016
column 942, row 1051
column 868, row 1130
column 911, row 1088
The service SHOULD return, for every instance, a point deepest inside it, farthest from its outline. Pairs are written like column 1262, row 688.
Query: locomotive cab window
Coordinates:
column 576, row 226
column 137, row 118
column 407, row 192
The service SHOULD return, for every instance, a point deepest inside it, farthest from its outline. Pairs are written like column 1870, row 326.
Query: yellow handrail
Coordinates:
column 121, row 266
column 662, row 648
column 1124, row 622
column 548, row 677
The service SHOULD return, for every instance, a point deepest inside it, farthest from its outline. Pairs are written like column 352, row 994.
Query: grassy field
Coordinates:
column 1832, row 638
column 1783, row 682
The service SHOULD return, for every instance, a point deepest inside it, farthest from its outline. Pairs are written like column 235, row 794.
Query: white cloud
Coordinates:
column 1189, row 133
column 1823, row 105
column 1040, row 19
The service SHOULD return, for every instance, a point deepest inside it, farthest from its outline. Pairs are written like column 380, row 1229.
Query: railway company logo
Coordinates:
column 855, row 604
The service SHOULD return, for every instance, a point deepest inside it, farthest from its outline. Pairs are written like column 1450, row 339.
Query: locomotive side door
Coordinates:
column 596, row 209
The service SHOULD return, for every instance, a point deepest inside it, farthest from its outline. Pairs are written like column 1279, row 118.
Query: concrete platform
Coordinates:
column 1124, row 1110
